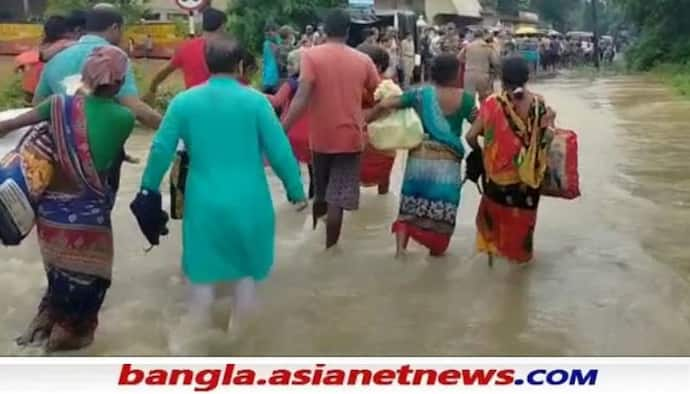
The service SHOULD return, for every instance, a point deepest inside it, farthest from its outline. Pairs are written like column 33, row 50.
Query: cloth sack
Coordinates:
column 25, row 174
column 562, row 179
column 147, row 208
column 178, row 181
column 400, row 130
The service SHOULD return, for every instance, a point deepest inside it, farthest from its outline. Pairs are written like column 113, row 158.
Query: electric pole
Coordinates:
column 595, row 20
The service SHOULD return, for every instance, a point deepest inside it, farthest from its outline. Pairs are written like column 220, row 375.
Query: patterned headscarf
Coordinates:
column 106, row 65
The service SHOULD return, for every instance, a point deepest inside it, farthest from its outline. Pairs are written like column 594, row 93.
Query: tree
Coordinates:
column 664, row 31
column 133, row 10
column 556, row 12
column 248, row 18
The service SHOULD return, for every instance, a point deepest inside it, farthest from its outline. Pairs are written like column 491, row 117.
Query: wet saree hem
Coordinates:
column 436, row 242
column 68, row 314
column 506, row 231
column 74, row 233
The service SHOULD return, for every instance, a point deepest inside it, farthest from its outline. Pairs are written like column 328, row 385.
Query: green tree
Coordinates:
column 557, row 12
column 249, row 17
column 664, row 33
column 133, row 10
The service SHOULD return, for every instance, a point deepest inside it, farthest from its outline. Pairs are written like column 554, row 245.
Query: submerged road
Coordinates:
column 611, row 275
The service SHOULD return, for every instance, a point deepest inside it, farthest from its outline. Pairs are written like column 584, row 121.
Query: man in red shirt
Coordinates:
column 190, row 57
column 333, row 80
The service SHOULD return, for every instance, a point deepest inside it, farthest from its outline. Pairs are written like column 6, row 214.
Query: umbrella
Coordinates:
column 526, row 31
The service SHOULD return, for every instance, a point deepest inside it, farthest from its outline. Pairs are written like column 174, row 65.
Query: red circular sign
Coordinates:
column 191, row 5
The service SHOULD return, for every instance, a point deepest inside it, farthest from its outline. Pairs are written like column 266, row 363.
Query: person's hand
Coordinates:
column 132, row 160
column 389, row 103
column 549, row 119
column 149, row 98
column 301, row 205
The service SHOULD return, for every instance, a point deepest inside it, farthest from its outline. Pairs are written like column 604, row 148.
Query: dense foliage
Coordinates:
column 133, row 10
column 11, row 93
column 664, row 31
column 249, row 17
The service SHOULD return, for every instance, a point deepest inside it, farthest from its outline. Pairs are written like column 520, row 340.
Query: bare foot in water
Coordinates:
column 62, row 340
column 38, row 331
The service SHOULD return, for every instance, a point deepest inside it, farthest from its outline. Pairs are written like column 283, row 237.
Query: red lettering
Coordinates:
column 130, row 376
column 334, row 377
column 244, row 377
column 301, row 377
column 355, row 373
column 384, row 377
column 187, row 376
column 419, row 375
column 227, row 376
column 478, row 376
column 505, row 377
column 449, row 377
column 157, row 377
column 280, row 377
column 318, row 374
column 403, row 375
column 207, row 380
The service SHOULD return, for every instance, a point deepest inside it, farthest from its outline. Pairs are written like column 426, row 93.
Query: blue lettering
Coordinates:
column 557, row 377
column 580, row 378
column 532, row 377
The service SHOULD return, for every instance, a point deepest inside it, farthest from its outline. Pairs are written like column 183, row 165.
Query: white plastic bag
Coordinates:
column 400, row 130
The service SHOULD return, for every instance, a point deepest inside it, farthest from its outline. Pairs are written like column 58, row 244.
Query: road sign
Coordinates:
column 191, row 5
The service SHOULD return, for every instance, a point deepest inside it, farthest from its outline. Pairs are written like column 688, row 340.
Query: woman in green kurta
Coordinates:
column 229, row 224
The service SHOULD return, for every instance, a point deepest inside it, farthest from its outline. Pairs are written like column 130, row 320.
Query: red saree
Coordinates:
column 514, row 159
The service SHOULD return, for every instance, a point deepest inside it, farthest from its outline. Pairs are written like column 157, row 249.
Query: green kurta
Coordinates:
column 229, row 223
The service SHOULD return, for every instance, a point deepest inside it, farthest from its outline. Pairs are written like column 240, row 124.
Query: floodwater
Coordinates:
column 610, row 277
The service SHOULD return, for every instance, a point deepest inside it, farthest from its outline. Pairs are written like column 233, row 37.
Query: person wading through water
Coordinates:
column 229, row 128
column 73, row 223
column 333, row 80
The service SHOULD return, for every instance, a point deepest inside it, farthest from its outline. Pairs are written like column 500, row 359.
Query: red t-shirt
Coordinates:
column 340, row 77
column 190, row 57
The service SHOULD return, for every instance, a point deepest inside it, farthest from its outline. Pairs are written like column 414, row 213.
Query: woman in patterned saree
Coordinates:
column 432, row 181
column 88, row 131
column 514, row 125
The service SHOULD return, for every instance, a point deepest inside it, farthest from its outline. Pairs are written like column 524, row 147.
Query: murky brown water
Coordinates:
column 610, row 278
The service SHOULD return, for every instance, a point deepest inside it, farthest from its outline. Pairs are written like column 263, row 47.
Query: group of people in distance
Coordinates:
column 229, row 132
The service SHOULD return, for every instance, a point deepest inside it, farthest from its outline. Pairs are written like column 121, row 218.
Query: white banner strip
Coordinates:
column 345, row 375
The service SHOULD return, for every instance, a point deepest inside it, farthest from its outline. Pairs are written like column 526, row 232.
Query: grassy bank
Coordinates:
column 677, row 76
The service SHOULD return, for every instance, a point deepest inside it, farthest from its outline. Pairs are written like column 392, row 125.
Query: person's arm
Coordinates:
column 277, row 148
column 383, row 108
column 38, row 114
column 462, row 57
column 158, row 79
column 282, row 97
column 129, row 97
column 42, row 90
column 148, row 116
column 163, row 147
column 373, row 79
column 301, row 99
column 477, row 130
column 494, row 59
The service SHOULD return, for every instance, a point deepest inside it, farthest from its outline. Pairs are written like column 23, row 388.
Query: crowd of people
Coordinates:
column 225, row 133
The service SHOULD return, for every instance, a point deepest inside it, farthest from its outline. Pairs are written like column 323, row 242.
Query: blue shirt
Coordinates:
column 65, row 69
column 271, row 76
